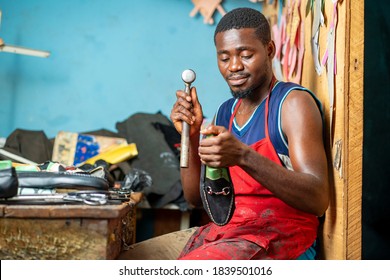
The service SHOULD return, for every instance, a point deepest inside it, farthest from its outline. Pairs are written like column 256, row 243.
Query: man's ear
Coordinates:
column 271, row 49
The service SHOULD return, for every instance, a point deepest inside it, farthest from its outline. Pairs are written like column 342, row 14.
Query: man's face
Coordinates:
column 243, row 60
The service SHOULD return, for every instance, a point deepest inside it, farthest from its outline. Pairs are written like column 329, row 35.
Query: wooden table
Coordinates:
column 66, row 231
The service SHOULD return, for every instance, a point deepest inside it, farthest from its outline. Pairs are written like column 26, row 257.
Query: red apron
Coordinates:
column 262, row 226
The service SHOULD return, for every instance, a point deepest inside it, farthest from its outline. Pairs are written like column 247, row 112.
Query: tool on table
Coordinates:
column 89, row 197
column 188, row 76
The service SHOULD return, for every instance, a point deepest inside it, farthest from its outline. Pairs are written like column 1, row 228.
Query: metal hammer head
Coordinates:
column 188, row 76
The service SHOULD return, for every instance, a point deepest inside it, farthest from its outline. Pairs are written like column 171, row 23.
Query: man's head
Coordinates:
column 245, row 18
column 245, row 52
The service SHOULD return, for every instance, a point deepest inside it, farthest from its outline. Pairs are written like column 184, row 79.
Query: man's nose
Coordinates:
column 235, row 64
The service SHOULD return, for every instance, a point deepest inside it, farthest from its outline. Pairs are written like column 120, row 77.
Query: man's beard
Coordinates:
column 241, row 93
column 247, row 92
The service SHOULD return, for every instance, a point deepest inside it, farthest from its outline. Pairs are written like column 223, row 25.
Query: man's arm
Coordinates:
column 306, row 187
column 190, row 176
column 188, row 109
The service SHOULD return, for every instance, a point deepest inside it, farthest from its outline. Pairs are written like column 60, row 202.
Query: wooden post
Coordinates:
column 354, row 129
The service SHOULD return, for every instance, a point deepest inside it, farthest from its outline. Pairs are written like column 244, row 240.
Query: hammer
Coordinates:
column 188, row 76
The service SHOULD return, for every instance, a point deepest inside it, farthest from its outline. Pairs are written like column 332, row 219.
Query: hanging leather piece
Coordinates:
column 329, row 59
column 290, row 43
column 318, row 21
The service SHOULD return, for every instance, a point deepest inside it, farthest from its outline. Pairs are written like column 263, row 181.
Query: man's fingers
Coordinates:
column 194, row 96
column 213, row 129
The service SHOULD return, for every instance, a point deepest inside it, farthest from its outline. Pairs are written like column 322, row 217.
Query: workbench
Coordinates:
column 66, row 231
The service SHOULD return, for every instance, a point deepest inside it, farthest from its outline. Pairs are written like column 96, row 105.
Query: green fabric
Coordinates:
column 26, row 168
column 5, row 164
column 217, row 173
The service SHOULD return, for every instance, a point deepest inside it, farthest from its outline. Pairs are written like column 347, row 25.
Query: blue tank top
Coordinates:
column 253, row 130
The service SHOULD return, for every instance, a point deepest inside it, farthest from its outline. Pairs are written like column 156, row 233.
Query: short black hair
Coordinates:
column 245, row 18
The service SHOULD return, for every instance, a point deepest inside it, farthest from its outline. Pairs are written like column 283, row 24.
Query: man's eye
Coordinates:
column 224, row 59
column 246, row 56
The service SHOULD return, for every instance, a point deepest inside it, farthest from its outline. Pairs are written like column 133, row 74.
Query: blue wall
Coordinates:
column 109, row 60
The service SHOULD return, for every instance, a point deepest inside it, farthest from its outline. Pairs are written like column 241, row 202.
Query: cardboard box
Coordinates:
column 74, row 148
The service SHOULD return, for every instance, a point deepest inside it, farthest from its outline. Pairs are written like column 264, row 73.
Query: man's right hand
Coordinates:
column 187, row 108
